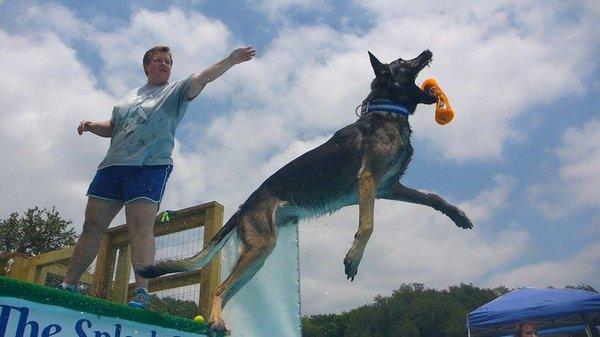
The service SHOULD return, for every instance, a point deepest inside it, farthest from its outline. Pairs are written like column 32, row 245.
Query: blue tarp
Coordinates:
column 550, row 308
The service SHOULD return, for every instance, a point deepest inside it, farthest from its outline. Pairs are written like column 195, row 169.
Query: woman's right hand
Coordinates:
column 84, row 126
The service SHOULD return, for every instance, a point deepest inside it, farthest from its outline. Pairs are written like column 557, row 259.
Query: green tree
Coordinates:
column 323, row 325
column 35, row 231
column 411, row 311
column 583, row 287
column 472, row 297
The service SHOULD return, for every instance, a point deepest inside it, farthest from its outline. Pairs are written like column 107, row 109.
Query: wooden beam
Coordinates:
column 53, row 256
column 172, row 281
column 181, row 220
column 61, row 270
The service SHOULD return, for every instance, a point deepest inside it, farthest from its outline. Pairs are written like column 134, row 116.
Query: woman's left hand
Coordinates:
column 242, row 54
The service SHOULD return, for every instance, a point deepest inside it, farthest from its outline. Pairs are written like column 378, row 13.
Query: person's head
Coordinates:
column 526, row 329
column 157, row 64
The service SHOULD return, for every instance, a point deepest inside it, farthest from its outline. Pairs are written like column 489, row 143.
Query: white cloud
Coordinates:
column 196, row 42
column 559, row 273
column 577, row 185
column 45, row 93
column 580, row 157
column 187, row 181
column 56, row 18
column 487, row 203
column 276, row 9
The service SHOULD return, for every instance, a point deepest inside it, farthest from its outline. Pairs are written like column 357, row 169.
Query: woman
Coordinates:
column 138, row 163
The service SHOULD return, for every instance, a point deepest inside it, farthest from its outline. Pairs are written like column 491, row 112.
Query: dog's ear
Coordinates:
column 378, row 67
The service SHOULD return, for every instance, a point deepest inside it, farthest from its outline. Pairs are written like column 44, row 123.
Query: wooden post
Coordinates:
column 32, row 270
column 104, row 268
column 22, row 266
column 211, row 273
column 121, row 283
column 41, row 275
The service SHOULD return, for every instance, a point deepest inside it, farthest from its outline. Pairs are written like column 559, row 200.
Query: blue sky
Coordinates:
column 521, row 157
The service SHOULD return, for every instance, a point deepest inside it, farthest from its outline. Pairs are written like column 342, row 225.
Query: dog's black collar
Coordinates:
column 385, row 106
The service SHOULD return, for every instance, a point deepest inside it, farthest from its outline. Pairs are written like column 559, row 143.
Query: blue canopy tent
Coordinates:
column 552, row 310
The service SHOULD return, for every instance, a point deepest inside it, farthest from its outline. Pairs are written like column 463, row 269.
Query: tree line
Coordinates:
column 412, row 310
column 36, row 231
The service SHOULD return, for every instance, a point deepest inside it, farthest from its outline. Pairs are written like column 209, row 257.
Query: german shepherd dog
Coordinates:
column 361, row 162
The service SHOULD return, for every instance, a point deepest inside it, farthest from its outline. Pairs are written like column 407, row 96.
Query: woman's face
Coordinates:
column 159, row 68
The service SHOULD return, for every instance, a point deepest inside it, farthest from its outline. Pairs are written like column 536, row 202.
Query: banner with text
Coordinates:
column 22, row 318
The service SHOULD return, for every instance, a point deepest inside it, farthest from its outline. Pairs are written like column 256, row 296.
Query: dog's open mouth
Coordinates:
column 420, row 62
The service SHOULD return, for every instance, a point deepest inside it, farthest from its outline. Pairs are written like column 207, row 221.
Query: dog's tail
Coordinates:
column 197, row 261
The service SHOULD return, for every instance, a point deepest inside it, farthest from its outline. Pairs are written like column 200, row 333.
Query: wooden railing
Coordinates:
column 35, row 269
column 113, row 265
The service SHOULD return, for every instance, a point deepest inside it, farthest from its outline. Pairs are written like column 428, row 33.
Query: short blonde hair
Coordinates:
column 151, row 51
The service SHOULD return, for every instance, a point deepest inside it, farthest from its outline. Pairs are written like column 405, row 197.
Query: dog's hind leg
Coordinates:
column 258, row 236
column 366, row 196
column 402, row 193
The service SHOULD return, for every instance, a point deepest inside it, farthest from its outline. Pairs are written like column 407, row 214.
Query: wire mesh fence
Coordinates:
column 111, row 276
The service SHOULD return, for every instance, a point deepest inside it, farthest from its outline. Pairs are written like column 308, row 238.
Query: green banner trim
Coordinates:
column 50, row 296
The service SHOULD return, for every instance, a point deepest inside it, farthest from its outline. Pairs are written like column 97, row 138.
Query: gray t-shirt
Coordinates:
column 144, row 124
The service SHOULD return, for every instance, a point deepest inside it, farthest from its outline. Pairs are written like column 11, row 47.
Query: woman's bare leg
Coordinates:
column 140, row 216
column 98, row 215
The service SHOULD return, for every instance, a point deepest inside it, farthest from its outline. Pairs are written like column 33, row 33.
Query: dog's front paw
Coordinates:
column 350, row 267
column 460, row 218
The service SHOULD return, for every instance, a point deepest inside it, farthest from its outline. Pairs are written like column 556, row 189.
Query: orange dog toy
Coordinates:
column 443, row 110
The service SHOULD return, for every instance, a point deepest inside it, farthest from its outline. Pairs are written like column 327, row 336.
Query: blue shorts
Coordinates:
column 128, row 183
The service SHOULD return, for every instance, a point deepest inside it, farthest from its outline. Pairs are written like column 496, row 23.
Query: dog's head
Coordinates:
column 396, row 81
